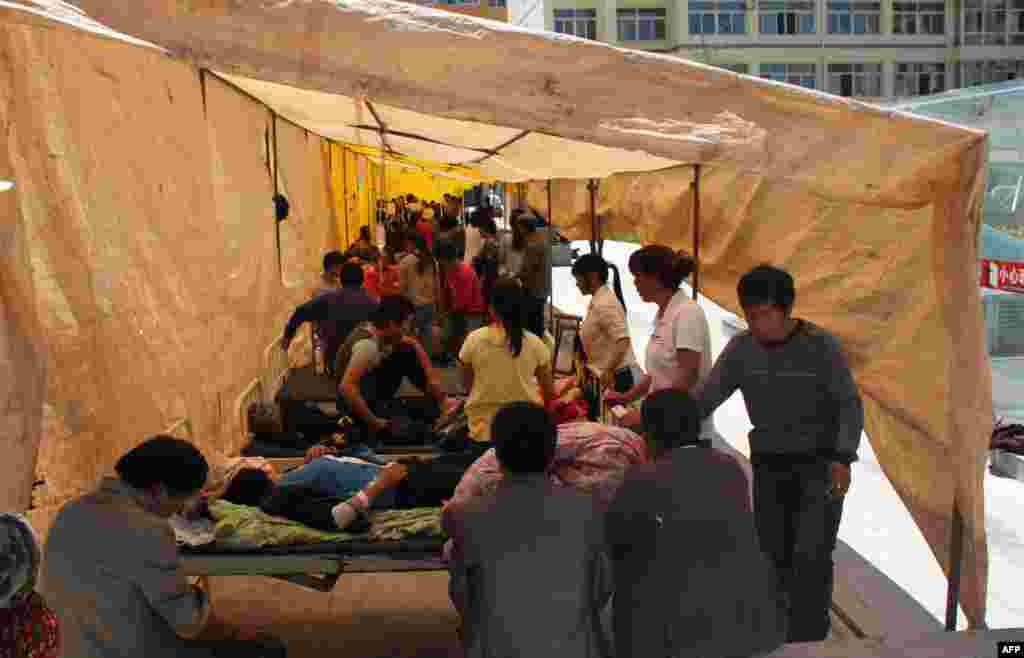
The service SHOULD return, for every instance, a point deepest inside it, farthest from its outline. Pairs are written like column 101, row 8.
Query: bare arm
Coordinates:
column 547, row 382
column 349, row 389
column 689, row 370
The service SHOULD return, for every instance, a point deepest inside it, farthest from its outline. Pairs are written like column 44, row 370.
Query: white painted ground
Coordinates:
column 875, row 522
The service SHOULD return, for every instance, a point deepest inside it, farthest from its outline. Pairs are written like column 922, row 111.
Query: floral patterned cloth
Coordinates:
column 238, row 525
column 589, row 456
column 29, row 629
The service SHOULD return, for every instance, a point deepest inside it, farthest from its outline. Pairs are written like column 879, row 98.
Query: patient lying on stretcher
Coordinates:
column 333, row 493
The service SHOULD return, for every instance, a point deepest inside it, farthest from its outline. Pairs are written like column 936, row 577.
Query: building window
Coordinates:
column 854, row 18
column 920, row 79
column 919, row 18
column 862, row 80
column 988, row 72
column 577, row 22
column 786, row 17
column 1015, row 18
column 718, row 17
column 803, row 75
column 497, row 3
column 641, row 24
column 984, row 22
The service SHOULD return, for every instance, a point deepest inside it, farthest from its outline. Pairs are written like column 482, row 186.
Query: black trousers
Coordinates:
column 797, row 523
column 379, row 387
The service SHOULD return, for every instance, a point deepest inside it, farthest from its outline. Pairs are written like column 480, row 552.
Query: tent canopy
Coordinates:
column 874, row 212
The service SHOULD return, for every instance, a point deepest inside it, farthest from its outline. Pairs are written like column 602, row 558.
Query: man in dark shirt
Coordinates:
column 529, row 574
column 336, row 313
column 807, row 417
column 690, row 577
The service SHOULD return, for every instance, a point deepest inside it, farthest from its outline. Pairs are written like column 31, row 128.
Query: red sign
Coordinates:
column 1002, row 275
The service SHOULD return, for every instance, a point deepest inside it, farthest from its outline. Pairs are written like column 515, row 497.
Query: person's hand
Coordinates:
column 248, row 634
column 380, row 424
column 608, row 380
column 631, row 419
column 411, row 341
column 613, row 398
column 392, row 474
column 319, row 451
column 840, row 479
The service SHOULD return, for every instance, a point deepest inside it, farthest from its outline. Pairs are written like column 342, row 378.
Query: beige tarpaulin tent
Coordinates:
column 139, row 221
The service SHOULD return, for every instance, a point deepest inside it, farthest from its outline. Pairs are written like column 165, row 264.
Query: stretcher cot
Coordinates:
column 314, row 566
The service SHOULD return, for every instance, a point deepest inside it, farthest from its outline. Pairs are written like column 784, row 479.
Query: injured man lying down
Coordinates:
column 332, row 493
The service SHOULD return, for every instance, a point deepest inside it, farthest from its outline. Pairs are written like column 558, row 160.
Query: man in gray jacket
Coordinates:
column 528, row 572
column 807, row 417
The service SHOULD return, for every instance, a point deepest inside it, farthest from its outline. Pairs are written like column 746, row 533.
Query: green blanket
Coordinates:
column 238, row 525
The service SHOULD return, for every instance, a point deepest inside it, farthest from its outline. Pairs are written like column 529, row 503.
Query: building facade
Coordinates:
column 496, row 10
column 861, row 48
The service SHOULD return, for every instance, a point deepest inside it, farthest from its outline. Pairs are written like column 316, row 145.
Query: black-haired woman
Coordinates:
column 111, row 565
column 419, row 275
column 503, row 362
column 679, row 351
column 604, row 331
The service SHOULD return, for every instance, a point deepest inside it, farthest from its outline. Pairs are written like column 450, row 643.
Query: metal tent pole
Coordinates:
column 696, row 231
column 550, row 273
column 595, row 232
column 955, row 559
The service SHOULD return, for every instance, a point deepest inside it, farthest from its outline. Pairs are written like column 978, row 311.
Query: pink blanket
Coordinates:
column 589, row 456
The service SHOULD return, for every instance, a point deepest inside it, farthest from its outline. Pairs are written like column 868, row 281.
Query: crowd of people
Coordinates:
column 688, row 557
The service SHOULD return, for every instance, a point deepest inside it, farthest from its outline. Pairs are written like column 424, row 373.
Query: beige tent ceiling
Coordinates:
column 473, row 85
column 876, row 213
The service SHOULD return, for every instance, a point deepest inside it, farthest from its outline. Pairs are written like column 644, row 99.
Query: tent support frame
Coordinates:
column 696, row 231
column 955, row 559
column 596, row 239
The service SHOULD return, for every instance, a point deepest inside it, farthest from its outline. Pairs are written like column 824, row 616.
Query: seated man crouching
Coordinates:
column 373, row 360
column 530, row 532
column 690, row 575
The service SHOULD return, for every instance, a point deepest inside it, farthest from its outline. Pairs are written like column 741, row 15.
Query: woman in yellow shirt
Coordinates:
column 503, row 362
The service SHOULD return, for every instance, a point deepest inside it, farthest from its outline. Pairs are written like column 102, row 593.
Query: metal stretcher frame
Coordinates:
column 316, row 571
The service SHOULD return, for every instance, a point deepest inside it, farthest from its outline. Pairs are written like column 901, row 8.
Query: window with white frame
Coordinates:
column 718, row 17
column 1015, row 22
column 804, row 75
column 786, row 17
column 577, row 22
column 642, row 24
column 987, row 72
column 985, row 22
column 854, row 17
column 862, row 80
column 913, row 17
column 919, row 79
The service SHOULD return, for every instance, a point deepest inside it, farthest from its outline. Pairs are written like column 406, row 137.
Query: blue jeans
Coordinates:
column 339, row 479
column 425, row 327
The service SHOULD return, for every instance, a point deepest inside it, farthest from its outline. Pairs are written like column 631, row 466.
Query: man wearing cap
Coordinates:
column 807, row 417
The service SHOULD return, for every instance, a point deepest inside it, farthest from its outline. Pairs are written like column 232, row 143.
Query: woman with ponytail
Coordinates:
column 604, row 332
column 503, row 362
column 679, row 351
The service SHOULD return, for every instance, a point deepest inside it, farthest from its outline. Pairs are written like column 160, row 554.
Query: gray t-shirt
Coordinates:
column 361, row 349
column 800, row 395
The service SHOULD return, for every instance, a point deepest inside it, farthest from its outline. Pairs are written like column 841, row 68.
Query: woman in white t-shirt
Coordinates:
column 503, row 362
column 679, row 351
column 604, row 331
